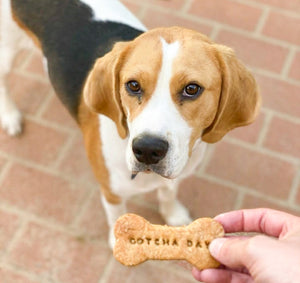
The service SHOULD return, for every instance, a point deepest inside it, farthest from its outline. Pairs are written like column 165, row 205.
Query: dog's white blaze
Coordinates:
column 113, row 10
column 161, row 117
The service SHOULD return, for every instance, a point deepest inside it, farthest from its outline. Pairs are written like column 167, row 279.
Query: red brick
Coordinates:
column 280, row 95
column 2, row 163
column 149, row 273
column 295, row 68
column 9, row 224
column 283, row 136
column 42, row 194
column 298, row 196
column 255, row 202
column 58, row 256
column 293, row 5
column 154, row 19
column 253, row 51
column 28, row 93
column 85, row 262
column 8, row 276
column 150, row 198
column 35, row 65
column 206, row 199
column 283, row 27
column 252, row 169
column 151, row 215
column 168, row 4
column 57, row 113
column 21, row 58
column 37, row 143
column 251, row 132
column 133, row 7
column 227, row 12
column 93, row 221
column 75, row 163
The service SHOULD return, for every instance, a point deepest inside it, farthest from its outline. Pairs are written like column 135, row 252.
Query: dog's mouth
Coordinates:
column 151, row 170
column 135, row 173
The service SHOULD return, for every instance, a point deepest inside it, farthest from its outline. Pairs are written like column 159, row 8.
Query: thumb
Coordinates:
column 231, row 252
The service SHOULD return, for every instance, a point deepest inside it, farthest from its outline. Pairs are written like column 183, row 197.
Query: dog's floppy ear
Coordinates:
column 239, row 99
column 101, row 91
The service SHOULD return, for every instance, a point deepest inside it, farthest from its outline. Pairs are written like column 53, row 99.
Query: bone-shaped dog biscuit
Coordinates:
column 137, row 240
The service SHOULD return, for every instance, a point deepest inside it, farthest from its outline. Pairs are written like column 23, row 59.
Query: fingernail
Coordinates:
column 215, row 246
column 220, row 216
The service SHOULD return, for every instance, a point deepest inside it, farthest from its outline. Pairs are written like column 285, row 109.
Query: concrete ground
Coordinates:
column 52, row 225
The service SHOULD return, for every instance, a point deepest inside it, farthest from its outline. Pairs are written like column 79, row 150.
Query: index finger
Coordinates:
column 270, row 222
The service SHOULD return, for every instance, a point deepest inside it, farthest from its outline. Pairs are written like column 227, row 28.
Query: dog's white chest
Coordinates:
column 115, row 11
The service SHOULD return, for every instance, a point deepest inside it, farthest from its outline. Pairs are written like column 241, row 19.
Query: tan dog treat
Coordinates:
column 137, row 240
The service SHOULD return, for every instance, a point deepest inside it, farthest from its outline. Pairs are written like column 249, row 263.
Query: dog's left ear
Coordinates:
column 239, row 99
column 101, row 91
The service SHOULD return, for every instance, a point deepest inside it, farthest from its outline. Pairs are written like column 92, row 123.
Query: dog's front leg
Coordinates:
column 113, row 212
column 170, row 208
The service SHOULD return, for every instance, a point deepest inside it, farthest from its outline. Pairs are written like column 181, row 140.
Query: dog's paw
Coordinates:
column 11, row 122
column 178, row 215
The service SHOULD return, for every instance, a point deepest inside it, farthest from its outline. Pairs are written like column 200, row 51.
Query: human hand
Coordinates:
column 260, row 259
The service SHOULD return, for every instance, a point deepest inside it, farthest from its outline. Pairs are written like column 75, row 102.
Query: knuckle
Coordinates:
column 254, row 244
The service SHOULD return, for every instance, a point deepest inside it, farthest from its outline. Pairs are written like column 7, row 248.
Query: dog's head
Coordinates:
column 167, row 90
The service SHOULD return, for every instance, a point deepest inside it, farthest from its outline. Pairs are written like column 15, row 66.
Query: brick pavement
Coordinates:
column 52, row 226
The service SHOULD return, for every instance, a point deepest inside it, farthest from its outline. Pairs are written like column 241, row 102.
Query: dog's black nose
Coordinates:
column 149, row 149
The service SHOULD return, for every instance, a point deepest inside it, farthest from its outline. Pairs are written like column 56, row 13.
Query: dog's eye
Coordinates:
column 133, row 87
column 192, row 90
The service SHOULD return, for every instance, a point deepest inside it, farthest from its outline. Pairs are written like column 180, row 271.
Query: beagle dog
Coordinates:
column 147, row 102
